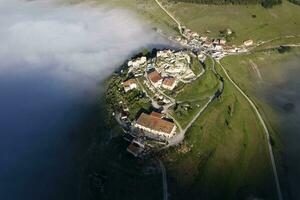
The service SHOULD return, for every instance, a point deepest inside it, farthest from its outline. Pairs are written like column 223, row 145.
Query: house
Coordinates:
column 178, row 38
column 201, row 57
column 155, row 125
column 228, row 31
column 137, row 62
column 169, row 83
column 164, row 53
column 194, row 34
column 155, row 78
column 248, row 43
column 218, row 47
column 135, row 149
column 130, row 84
column 207, row 44
column 215, row 41
column 203, row 38
column 222, row 41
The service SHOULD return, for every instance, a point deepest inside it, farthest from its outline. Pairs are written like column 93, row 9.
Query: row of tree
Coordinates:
column 264, row 3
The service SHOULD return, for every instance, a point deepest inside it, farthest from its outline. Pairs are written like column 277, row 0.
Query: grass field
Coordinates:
column 247, row 21
column 224, row 155
column 196, row 94
column 203, row 87
column 278, row 42
column 228, row 156
column 271, row 65
column 196, row 66
column 242, row 71
column 146, row 10
column 184, row 114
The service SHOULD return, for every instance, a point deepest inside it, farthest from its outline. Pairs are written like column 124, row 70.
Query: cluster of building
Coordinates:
column 136, row 66
column 217, row 47
column 167, row 82
column 162, row 72
column 175, row 64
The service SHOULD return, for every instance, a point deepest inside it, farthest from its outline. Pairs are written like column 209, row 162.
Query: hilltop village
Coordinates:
column 144, row 99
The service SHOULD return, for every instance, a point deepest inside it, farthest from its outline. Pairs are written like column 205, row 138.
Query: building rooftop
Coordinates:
column 155, row 123
column 154, row 76
column 156, row 114
column 169, row 81
column 134, row 149
column 129, row 82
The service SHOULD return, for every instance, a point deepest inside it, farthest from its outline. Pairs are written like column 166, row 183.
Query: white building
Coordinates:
column 137, row 62
column 164, row 53
column 248, row 43
column 222, row 41
column 129, row 85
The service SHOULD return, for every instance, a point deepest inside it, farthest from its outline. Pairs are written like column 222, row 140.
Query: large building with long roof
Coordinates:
column 154, row 124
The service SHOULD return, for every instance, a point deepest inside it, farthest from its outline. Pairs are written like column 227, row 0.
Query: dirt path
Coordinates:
column 255, row 68
column 169, row 14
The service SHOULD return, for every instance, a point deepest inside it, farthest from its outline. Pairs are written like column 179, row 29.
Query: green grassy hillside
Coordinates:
column 248, row 22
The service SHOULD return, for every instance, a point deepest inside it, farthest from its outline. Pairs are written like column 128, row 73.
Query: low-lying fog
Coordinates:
column 284, row 95
column 51, row 59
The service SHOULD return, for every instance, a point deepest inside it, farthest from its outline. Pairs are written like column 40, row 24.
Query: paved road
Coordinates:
column 164, row 179
column 279, row 193
column 180, row 136
column 153, row 102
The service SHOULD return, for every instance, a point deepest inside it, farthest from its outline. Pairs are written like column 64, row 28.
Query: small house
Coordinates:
column 130, row 84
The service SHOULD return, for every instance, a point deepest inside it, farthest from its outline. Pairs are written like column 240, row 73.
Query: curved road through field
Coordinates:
column 279, row 193
column 180, row 136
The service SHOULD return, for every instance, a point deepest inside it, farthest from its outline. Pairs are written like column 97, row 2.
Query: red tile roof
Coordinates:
column 169, row 81
column 128, row 82
column 154, row 76
column 155, row 123
column 156, row 114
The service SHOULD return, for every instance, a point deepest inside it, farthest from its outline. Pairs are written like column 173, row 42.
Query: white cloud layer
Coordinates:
column 64, row 40
column 51, row 59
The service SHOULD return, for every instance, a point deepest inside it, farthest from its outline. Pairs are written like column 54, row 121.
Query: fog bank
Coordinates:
column 284, row 96
column 51, row 59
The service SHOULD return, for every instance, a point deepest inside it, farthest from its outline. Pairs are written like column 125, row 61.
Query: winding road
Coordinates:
column 267, row 134
column 180, row 136
column 279, row 193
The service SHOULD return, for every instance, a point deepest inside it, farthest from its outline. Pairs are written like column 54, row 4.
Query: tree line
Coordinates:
column 264, row 3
